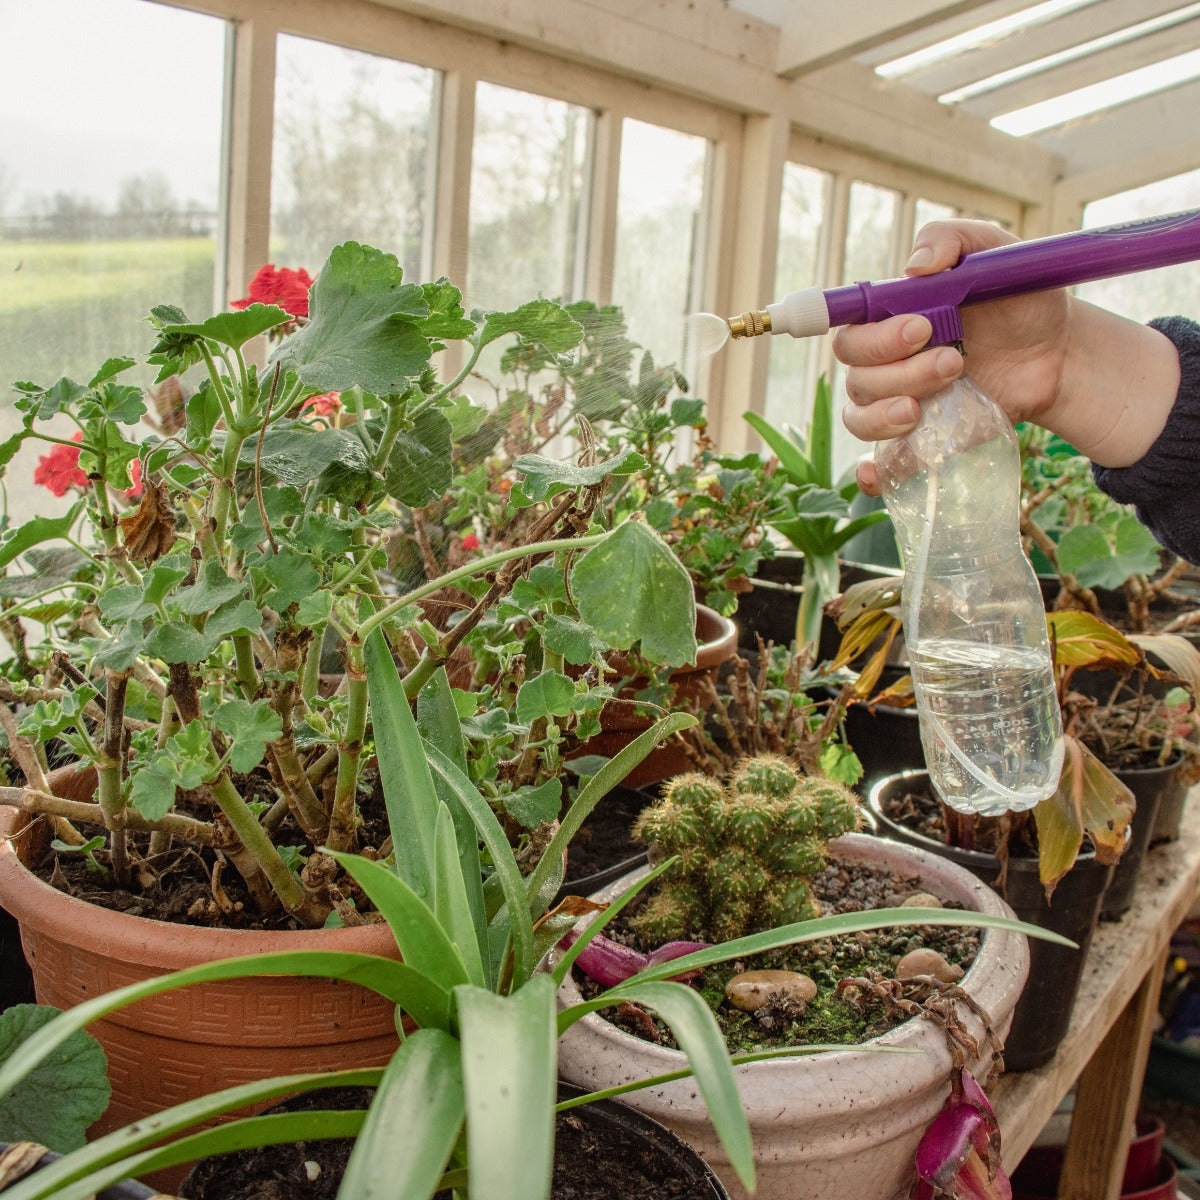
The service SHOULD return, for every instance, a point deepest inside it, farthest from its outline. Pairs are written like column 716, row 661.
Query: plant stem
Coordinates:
column 342, row 829
column 479, row 567
column 110, row 763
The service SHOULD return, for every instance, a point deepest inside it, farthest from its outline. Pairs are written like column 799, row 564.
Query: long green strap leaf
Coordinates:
column 509, row 1069
column 450, row 904
column 403, row 771
column 413, row 1123
column 437, row 719
column 517, row 920
column 406, row 987
column 700, row 1038
column 118, row 1146
column 598, row 787
column 820, row 434
column 425, row 944
column 792, row 459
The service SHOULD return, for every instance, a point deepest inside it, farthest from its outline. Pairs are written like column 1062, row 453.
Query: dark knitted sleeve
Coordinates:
column 1162, row 484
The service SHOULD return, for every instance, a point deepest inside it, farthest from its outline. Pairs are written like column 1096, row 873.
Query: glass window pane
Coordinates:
column 527, row 178
column 659, row 208
column 870, row 232
column 1169, row 291
column 930, row 210
column 109, row 185
column 351, row 154
column 793, row 363
column 871, row 223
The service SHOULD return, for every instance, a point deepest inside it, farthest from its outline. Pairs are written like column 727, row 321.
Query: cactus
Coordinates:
column 747, row 850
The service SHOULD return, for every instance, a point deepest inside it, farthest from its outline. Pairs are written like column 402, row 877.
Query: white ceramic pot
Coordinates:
column 839, row 1124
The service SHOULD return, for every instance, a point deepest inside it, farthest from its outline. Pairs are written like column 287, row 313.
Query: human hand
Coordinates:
column 1016, row 348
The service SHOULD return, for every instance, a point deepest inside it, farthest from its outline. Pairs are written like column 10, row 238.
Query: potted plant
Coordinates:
column 748, row 851
column 182, row 668
column 812, row 511
column 468, row 1098
column 1038, row 858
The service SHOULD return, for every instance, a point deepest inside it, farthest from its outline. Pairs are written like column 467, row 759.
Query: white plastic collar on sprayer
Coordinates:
column 802, row 314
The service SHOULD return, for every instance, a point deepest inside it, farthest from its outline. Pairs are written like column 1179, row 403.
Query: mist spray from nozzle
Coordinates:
column 974, row 619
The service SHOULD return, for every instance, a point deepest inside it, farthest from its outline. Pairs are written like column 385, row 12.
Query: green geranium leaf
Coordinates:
column 202, row 411
column 163, row 576
column 39, row 529
column 543, row 473
column 177, row 642
column 213, row 589
column 291, row 578
column 233, row 328
column 1085, row 552
column 446, row 320
column 419, row 468
column 315, row 609
column 546, row 695
column 249, row 727
column 65, row 1093
column 152, row 792
column 238, row 616
column 631, row 588
column 110, row 370
column 465, row 417
column 61, row 396
column 575, row 641
column 124, row 603
column 541, row 321
column 296, row 454
column 533, row 806
column 119, row 652
column 363, row 326
column 51, row 565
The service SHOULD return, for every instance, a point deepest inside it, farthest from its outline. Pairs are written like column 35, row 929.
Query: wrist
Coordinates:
column 1118, row 384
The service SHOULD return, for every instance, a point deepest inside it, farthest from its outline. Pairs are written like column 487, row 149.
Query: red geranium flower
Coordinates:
column 279, row 285
column 470, row 542
column 58, row 471
column 326, row 404
column 135, row 474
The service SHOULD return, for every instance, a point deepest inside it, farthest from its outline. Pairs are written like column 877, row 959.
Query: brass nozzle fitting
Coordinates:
column 750, row 324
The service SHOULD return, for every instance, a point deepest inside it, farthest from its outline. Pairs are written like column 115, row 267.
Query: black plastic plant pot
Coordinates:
column 1151, row 786
column 614, row 1150
column 603, row 850
column 10, row 1152
column 1043, row 1012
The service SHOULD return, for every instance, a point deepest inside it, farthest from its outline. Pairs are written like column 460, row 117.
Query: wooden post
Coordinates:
column 1106, row 1098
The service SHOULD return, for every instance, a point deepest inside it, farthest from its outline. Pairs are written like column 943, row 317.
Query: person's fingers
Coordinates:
column 883, row 400
column 883, row 342
column 940, row 244
column 868, row 478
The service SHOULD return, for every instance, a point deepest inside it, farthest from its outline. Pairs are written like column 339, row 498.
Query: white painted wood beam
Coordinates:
column 994, row 10
column 1130, row 145
column 817, row 33
column 1030, row 43
column 1091, row 68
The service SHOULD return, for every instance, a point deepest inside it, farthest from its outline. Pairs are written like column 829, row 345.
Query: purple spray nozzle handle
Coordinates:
column 1062, row 260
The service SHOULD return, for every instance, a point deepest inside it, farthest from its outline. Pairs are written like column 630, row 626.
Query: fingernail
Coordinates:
column 902, row 412
column 916, row 331
column 948, row 363
column 921, row 257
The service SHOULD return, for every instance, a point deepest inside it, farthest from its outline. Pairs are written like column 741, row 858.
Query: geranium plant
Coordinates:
column 187, row 621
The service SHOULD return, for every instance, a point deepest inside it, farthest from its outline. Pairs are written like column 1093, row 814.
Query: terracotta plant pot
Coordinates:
column 183, row 1044
column 621, row 721
column 843, row 1123
column 1044, row 1011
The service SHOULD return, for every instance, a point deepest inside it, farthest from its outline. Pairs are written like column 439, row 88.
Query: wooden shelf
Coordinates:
column 1108, row 1040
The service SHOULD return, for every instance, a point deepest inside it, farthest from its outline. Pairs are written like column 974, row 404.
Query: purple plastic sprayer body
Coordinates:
column 1033, row 266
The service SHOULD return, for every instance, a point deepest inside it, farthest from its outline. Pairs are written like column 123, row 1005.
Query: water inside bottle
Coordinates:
column 993, row 708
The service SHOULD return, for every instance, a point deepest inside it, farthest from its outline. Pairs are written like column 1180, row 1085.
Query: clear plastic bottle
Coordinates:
column 974, row 618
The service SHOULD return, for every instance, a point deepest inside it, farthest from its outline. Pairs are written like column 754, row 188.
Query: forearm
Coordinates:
column 1118, row 386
